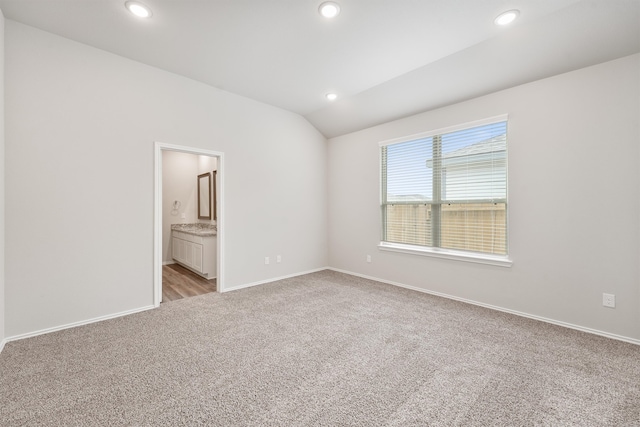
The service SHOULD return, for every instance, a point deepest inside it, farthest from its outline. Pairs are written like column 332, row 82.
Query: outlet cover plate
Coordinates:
column 609, row 300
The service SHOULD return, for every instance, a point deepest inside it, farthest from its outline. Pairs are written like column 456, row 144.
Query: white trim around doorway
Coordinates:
column 157, row 214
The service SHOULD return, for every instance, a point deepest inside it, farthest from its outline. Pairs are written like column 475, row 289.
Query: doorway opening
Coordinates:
column 188, row 209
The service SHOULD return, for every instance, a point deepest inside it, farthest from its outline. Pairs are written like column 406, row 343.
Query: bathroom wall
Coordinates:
column 179, row 174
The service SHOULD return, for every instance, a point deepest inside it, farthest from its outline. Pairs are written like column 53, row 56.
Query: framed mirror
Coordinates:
column 215, row 195
column 204, row 196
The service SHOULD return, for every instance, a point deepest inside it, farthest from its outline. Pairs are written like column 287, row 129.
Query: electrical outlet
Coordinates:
column 368, row 258
column 278, row 258
column 266, row 260
column 609, row 300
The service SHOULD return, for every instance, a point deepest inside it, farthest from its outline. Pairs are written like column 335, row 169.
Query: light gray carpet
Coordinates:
column 325, row 349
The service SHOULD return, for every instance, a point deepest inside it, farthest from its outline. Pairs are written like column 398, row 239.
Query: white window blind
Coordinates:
column 447, row 189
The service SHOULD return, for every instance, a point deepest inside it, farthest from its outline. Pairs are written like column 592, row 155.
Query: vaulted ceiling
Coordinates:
column 384, row 59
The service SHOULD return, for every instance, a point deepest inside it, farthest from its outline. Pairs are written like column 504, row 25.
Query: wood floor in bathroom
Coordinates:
column 179, row 282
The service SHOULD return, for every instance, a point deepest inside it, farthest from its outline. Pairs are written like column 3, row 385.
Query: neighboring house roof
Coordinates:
column 493, row 148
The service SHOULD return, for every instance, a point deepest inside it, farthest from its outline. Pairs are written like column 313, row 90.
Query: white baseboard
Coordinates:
column 493, row 307
column 75, row 324
column 275, row 279
column 2, row 343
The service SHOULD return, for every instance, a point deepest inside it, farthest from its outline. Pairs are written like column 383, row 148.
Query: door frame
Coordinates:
column 159, row 147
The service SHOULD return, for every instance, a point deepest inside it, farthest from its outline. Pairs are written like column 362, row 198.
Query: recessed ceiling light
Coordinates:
column 138, row 9
column 329, row 9
column 331, row 96
column 507, row 17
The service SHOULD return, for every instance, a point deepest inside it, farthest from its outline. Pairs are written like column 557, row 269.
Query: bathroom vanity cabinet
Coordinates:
column 195, row 251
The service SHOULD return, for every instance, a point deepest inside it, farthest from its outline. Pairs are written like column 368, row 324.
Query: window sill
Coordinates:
column 498, row 260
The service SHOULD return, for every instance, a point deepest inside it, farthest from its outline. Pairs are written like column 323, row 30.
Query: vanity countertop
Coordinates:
column 197, row 229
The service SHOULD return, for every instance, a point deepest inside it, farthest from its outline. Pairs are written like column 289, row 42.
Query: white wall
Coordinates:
column 574, row 201
column 2, row 169
column 80, row 130
column 179, row 174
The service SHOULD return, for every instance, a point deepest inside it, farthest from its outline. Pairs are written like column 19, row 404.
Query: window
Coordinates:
column 446, row 191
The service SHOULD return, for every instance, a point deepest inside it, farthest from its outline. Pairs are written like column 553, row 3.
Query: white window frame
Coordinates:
column 451, row 254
